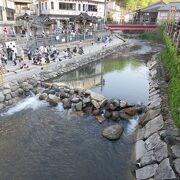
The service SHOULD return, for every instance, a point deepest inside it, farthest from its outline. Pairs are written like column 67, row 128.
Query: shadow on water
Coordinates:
column 47, row 143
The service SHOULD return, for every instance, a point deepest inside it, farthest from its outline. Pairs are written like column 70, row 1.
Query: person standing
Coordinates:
column 14, row 57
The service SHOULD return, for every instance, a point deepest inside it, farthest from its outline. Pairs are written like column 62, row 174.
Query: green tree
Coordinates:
column 131, row 4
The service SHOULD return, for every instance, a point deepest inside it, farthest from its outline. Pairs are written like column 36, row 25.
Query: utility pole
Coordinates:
column 105, row 6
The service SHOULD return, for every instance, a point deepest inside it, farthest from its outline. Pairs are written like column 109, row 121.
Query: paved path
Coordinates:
column 89, row 49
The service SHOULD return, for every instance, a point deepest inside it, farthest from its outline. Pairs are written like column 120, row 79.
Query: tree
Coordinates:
column 131, row 4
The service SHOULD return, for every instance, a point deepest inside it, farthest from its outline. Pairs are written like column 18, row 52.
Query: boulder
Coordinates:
column 115, row 115
column 1, row 106
column 97, row 97
column 124, row 115
column 123, row 104
column 20, row 91
column 2, row 97
column 8, row 96
column 161, row 152
column 79, row 106
column 95, row 104
column 75, row 100
column 6, row 91
column 52, row 91
column 43, row 96
column 86, row 100
column 66, row 103
column 6, row 86
column 153, row 126
column 132, row 110
column 177, row 165
column 176, row 150
column 71, row 92
column 146, row 172
column 100, row 119
column 96, row 112
column 103, row 103
column 53, row 100
column 107, row 114
column 113, row 132
column 140, row 134
column 112, row 106
column 164, row 171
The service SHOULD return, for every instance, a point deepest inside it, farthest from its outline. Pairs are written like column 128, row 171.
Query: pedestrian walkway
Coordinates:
column 15, row 74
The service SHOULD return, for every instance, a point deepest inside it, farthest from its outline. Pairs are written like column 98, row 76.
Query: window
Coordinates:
column 1, row 17
column 83, row 7
column 42, row 6
column 79, row 7
column 92, row 8
column 10, row 14
column 52, row 5
column 67, row 6
column 45, row 5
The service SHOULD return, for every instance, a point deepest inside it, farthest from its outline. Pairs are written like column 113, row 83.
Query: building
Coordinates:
column 148, row 15
column 113, row 11
column 63, row 10
column 164, row 11
column 7, row 16
column 23, row 6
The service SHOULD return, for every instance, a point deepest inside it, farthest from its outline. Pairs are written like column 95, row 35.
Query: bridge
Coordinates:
column 131, row 27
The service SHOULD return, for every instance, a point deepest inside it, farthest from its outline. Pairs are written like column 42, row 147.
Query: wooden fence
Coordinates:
column 173, row 30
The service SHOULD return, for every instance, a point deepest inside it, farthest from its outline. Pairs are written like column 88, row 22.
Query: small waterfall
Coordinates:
column 28, row 103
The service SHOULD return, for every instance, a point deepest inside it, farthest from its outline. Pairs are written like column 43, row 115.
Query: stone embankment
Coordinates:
column 157, row 148
column 21, row 86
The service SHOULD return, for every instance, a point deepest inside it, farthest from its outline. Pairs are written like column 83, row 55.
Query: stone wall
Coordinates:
column 13, row 91
column 157, row 148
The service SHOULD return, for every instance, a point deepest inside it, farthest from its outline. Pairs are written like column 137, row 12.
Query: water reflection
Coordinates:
column 114, row 77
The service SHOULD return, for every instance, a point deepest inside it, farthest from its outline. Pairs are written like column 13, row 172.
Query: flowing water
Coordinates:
column 38, row 142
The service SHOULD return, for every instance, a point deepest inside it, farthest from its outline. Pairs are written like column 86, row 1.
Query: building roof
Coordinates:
column 43, row 20
column 153, row 7
column 84, row 16
column 168, row 6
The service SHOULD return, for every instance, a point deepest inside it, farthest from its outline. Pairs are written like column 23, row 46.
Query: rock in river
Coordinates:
column 53, row 100
column 113, row 132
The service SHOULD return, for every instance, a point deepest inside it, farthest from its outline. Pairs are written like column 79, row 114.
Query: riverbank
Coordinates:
column 20, row 85
column 157, row 148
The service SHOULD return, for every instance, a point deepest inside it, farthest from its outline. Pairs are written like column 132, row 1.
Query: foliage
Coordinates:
column 109, row 17
column 172, row 64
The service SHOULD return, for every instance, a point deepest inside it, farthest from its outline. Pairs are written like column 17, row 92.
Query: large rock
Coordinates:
column 113, row 132
column 155, row 104
column 53, row 100
column 146, row 172
column 176, row 150
column 161, row 151
column 140, row 134
column 177, row 165
column 147, row 158
column 1, row 106
column 79, row 106
column 2, row 97
column 6, row 86
column 95, row 104
column 132, row 110
column 66, row 103
column 8, row 96
column 43, row 96
column 100, row 119
column 124, row 115
column 97, row 97
column 115, row 115
column 6, row 91
column 75, row 100
column 153, row 126
column 164, row 171
column 149, row 115
column 123, row 104
column 140, row 149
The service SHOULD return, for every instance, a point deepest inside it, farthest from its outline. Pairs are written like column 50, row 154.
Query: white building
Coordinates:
column 114, row 10
column 164, row 11
column 7, row 11
column 65, row 9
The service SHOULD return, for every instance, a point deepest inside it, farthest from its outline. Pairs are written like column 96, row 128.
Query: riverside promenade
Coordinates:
column 16, row 73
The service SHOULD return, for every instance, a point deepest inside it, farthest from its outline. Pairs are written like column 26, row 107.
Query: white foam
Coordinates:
column 28, row 103
column 132, row 124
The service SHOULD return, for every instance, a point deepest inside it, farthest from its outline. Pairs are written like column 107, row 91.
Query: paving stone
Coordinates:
column 140, row 134
column 153, row 141
column 161, row 152
column 176, row 150
column 153, row 126
column 177, row 165
column 140, row 149
column 147, row 158
column 146, row 172
column 164, row 171
column 149, row 115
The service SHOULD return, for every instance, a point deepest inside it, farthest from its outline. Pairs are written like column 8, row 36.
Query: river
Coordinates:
column 38, row 142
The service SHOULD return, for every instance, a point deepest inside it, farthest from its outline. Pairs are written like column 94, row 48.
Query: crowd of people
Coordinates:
column 43, row 54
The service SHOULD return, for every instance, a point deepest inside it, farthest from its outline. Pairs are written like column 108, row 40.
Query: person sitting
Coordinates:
column 81, row 51
column 75, row 50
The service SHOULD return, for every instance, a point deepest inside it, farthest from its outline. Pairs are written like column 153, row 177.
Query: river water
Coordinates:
column 38, row 142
